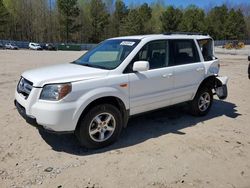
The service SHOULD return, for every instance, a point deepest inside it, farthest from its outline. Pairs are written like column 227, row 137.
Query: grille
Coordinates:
column 24, row 87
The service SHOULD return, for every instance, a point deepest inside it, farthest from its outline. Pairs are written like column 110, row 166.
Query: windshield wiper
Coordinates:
column 90, row 65
column 96, row 66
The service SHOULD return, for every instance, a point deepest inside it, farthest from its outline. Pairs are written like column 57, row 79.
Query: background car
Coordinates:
column 35, row 46
column 49, row 46
column 2, row 46
column 11, row 46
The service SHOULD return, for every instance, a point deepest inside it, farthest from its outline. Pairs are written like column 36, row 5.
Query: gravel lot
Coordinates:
column 163, row 149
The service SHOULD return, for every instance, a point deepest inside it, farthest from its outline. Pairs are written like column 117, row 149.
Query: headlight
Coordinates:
column 55, row 92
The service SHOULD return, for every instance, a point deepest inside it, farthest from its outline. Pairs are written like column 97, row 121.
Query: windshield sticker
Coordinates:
column 127, row 43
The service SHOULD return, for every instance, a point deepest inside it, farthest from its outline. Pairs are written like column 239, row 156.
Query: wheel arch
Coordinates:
column 113, row 100
column 208, row 81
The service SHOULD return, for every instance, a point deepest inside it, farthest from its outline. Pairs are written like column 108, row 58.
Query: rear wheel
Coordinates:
column 202, row 102
column 101, row 126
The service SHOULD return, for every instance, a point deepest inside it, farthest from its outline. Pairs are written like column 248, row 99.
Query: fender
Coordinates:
column 95, row 94
column 221, row 80
column 209, row 81
column 218, row 83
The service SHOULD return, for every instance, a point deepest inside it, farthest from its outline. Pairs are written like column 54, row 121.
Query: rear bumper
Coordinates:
column 221, row 87
column 32, row 121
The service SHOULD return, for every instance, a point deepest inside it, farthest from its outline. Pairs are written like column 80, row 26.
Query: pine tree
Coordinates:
column 155, row 22
column 145, row 13
column 193, row 20
column 137, row 21
column 4, row 19
column 132, row 24
column 99, row 20
column 215, row 22
column 171, row 19
column 69, row 11
column 118, row 17
column 235, row 25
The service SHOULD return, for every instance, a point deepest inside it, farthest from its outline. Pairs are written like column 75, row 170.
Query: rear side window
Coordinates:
column 183, row 52
column 206, row 46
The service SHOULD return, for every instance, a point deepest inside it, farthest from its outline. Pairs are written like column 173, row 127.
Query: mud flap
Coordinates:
column 221, row 87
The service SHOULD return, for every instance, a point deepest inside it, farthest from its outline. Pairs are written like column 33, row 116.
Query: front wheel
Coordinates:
column 202, row 102
column 100, row 127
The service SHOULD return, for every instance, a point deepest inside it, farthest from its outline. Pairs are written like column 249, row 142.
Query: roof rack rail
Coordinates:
column 184, row 33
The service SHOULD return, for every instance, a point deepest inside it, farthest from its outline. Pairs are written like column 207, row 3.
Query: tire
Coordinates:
column 199, row 106
column 100, row 127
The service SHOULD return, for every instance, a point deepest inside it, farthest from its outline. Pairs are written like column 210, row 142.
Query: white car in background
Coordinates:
column 11, row 46
column 95, row 95
column 35, row 46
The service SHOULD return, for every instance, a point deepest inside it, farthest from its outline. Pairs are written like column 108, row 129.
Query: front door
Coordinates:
column 150, row 89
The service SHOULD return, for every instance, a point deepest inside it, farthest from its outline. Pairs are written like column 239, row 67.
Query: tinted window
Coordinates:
column 155, row 53
column 183, row 52
column 206, row 46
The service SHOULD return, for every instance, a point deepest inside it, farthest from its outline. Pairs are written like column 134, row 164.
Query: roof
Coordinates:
column 166, row 36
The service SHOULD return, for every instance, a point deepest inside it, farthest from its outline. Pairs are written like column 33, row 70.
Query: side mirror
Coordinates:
column 140, row 66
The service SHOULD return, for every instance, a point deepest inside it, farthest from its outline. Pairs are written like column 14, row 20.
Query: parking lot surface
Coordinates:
column 161, row 149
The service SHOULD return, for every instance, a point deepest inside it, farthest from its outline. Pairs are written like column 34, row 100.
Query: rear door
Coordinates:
column 189, row 71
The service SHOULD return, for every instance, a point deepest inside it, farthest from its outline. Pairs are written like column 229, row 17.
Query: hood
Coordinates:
column 62, row 73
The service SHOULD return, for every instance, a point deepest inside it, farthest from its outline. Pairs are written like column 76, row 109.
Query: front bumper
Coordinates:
column 32, row 120
column 59, row 126
column 21, row 110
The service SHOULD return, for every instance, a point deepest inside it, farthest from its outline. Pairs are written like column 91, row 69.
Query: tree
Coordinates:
column 247, row 20
column 235, row 25
column 155, row 23
column 4, row 19
column 145, row 13
column 95, row 20
column 69, row 11
column 99, row 20
column 193, row 20
column 132, row 24
column 215, row 22
column 171, row 19
column 84, row 32
column 137, row 21
column 118, row 17
column 109, row 4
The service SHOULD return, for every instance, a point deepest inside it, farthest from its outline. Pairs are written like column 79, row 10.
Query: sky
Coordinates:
column 184, row 3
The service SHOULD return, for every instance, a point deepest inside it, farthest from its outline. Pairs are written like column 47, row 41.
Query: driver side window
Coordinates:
column 155, row 52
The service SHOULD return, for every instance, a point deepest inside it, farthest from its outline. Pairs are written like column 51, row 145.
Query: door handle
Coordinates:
column 167, row 75
column 200, row 69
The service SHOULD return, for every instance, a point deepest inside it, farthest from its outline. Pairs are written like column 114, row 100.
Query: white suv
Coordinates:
column 34, row 46
column 95, row 95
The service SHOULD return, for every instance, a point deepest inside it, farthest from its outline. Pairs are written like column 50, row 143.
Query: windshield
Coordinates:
column 108, row 54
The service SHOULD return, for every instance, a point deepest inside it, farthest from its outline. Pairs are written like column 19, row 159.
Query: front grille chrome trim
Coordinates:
column 24, row 87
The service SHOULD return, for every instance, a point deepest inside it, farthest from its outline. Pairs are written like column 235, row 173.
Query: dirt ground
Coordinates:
column 162, row 149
